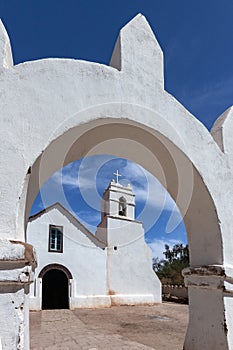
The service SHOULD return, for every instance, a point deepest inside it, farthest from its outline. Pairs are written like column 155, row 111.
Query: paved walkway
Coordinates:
column 158, row 327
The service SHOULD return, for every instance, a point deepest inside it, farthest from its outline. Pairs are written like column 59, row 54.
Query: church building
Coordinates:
column 78, row 269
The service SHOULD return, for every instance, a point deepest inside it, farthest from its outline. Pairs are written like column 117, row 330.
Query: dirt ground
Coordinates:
column 157, row 327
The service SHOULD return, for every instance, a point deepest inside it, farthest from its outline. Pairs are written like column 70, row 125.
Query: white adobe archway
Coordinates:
column 123, row 137
column 55, row 111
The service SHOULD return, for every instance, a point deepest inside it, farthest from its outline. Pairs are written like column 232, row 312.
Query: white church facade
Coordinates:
column 78, row 269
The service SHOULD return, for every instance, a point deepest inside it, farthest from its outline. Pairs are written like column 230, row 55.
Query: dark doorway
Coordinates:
column 55, row 290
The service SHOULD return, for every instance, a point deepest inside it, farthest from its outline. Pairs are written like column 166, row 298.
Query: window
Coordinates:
column 55, row 239
column 122, row 206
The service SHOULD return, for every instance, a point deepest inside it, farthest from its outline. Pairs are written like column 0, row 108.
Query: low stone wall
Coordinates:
column 175, row 293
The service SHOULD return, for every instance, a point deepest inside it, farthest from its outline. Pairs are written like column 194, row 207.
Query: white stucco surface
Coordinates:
column 14, row 316
column 130, row 262
column 54, row 111
column 17, row 262
column 11, row 251
column 81, row 255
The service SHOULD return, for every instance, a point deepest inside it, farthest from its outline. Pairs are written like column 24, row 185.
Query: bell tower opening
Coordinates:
column 122, row 206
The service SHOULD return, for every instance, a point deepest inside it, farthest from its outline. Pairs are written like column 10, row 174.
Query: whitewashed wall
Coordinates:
column 81, row 256
column 131, row 279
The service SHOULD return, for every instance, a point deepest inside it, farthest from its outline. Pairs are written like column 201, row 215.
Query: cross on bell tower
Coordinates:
column 117, row 176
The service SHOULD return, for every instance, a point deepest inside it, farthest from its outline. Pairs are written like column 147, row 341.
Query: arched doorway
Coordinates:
column 55, row 287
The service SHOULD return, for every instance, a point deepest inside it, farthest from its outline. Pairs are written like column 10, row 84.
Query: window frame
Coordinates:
column 60, row 229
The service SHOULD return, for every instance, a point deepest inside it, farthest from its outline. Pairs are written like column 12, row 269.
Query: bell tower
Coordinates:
column 130, row 278
column 118, row 201
column 117, row 211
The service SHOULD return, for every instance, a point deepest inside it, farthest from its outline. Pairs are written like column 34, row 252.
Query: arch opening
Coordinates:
column 155, row 153
column 122, row 206
column 55, row 289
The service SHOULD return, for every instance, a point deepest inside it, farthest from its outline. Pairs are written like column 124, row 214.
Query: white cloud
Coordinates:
column 134, row 173
column 52, row 191
column 88, row 216
column 94, row 173
column 146, row 187
column 69, row 179
column 157, row 246
column 88, row 219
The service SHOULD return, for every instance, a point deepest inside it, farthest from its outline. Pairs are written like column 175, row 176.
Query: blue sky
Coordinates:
column 196, row 38
column 79, row 187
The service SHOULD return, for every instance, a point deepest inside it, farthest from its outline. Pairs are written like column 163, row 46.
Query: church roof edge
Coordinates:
column 58, row 206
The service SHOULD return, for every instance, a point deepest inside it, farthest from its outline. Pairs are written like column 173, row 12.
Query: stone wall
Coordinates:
column 175, row 293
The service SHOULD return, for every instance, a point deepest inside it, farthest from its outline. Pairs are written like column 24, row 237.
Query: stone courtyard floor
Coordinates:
column 159, row 327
